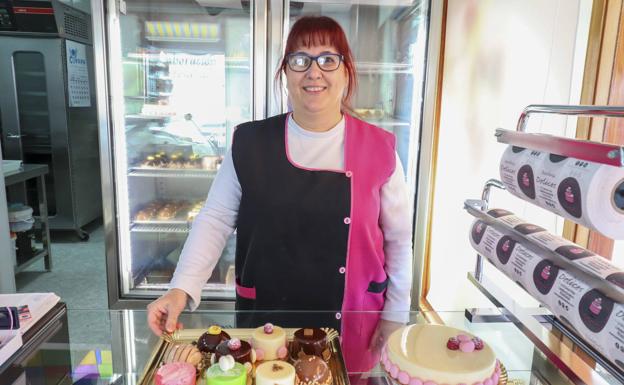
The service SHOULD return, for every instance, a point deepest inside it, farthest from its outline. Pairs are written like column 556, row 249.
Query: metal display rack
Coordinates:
column 537, row 324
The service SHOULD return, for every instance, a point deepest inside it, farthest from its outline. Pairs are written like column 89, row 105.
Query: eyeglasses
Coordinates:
column 300, row 62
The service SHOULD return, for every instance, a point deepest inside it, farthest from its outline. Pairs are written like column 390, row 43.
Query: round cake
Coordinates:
column 232, row 374
column 312, row 370
column 176, row 373
column 269, row 342
column 309, row 341
column 240, row 350
column 275, row 373
column 422, row 354
column 208, row 341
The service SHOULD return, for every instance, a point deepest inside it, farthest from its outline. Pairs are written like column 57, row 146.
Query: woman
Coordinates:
column 319, row 202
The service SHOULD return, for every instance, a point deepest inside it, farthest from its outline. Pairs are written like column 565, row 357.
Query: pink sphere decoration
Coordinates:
column 463, row 338
column 259, row 354
column 234, row 344
column 415, row 381
column 403, row 378
column 467, row 347
column 268, row 328
column 394, row 371
column 282, row 352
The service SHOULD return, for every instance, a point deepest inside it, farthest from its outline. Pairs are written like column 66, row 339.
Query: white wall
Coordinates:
column 500, row 56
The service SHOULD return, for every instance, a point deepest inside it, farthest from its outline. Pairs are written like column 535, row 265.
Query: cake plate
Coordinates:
column 336, row 361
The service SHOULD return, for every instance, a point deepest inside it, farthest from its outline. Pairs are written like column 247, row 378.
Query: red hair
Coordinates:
column 310, row 31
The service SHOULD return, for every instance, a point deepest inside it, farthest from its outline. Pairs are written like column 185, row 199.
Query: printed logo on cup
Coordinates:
column 554, row 158
column 595, row 309
column 527, row 228
column 569, row 196
column 497, row 213
column 544, row 276
column 526, row 182
column 573, row 252
column 478, row 230
column 616, row 279
column 618, row 197
column 516, row 149
column 504, row 248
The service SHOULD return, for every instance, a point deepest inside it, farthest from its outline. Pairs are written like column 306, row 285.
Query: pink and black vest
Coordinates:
column 310, row 239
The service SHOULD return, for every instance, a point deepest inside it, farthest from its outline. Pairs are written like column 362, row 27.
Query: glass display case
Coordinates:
column 181, row 75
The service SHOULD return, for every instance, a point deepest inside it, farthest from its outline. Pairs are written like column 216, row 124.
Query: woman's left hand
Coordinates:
column 381, row 334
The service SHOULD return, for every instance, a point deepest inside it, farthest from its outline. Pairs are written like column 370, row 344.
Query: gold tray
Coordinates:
column 336, row 362
column 502, row 380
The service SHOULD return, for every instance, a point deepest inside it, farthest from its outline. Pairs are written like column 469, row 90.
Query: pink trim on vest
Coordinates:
column 370, row 158
column 294, row 164
column 246, row 292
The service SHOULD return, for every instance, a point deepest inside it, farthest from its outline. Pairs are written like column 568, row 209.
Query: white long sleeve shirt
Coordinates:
column 319, row 150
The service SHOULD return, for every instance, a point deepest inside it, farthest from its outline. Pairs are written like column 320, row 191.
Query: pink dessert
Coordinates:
column 177, row 373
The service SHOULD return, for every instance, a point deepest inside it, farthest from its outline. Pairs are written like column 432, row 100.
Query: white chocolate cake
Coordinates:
column 435, row 354
column 275, row 373
column 269, row 342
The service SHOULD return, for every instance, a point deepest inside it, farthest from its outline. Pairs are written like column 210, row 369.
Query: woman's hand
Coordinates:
column 381, row 334
column 162, row 314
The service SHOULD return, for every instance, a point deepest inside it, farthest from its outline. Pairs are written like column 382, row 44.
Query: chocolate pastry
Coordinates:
column 208, row 341
column 309, row 341
column 311, row 370
column 240, row 350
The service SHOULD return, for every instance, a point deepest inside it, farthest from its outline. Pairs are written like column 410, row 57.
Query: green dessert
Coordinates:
column 226, row 372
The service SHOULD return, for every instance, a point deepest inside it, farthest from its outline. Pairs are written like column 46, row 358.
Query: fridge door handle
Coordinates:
column 15, row 136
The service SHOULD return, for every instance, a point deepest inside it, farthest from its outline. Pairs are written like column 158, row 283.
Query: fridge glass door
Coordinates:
column 389, row 40
column 180, row 81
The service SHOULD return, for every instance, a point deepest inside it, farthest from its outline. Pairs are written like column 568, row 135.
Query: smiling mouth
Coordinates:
column 314, row 89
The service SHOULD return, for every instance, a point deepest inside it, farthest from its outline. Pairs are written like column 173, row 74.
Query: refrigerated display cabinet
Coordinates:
column 177, row 77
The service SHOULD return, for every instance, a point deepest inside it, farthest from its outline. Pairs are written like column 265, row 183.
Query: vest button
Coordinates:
column 338, row 316
column 342, row 270
column 347, row 220
column 348, row 174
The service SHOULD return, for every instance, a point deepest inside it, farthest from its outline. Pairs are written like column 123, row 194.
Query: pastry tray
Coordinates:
column 336, row 362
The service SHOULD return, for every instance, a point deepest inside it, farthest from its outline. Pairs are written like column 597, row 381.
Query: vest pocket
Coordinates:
column 245, row 292
column 378, row 287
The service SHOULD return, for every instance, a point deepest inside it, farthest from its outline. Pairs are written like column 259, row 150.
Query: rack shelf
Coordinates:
column 171, row 173
column 154, row 227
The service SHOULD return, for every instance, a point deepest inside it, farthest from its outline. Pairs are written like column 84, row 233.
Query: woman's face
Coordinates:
column 316, row 91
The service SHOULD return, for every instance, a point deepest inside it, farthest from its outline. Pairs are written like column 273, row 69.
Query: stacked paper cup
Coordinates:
column 587, row 193
column 593, row 315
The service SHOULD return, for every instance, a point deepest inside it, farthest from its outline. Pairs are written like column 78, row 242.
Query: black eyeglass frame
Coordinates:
column 314, row 59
